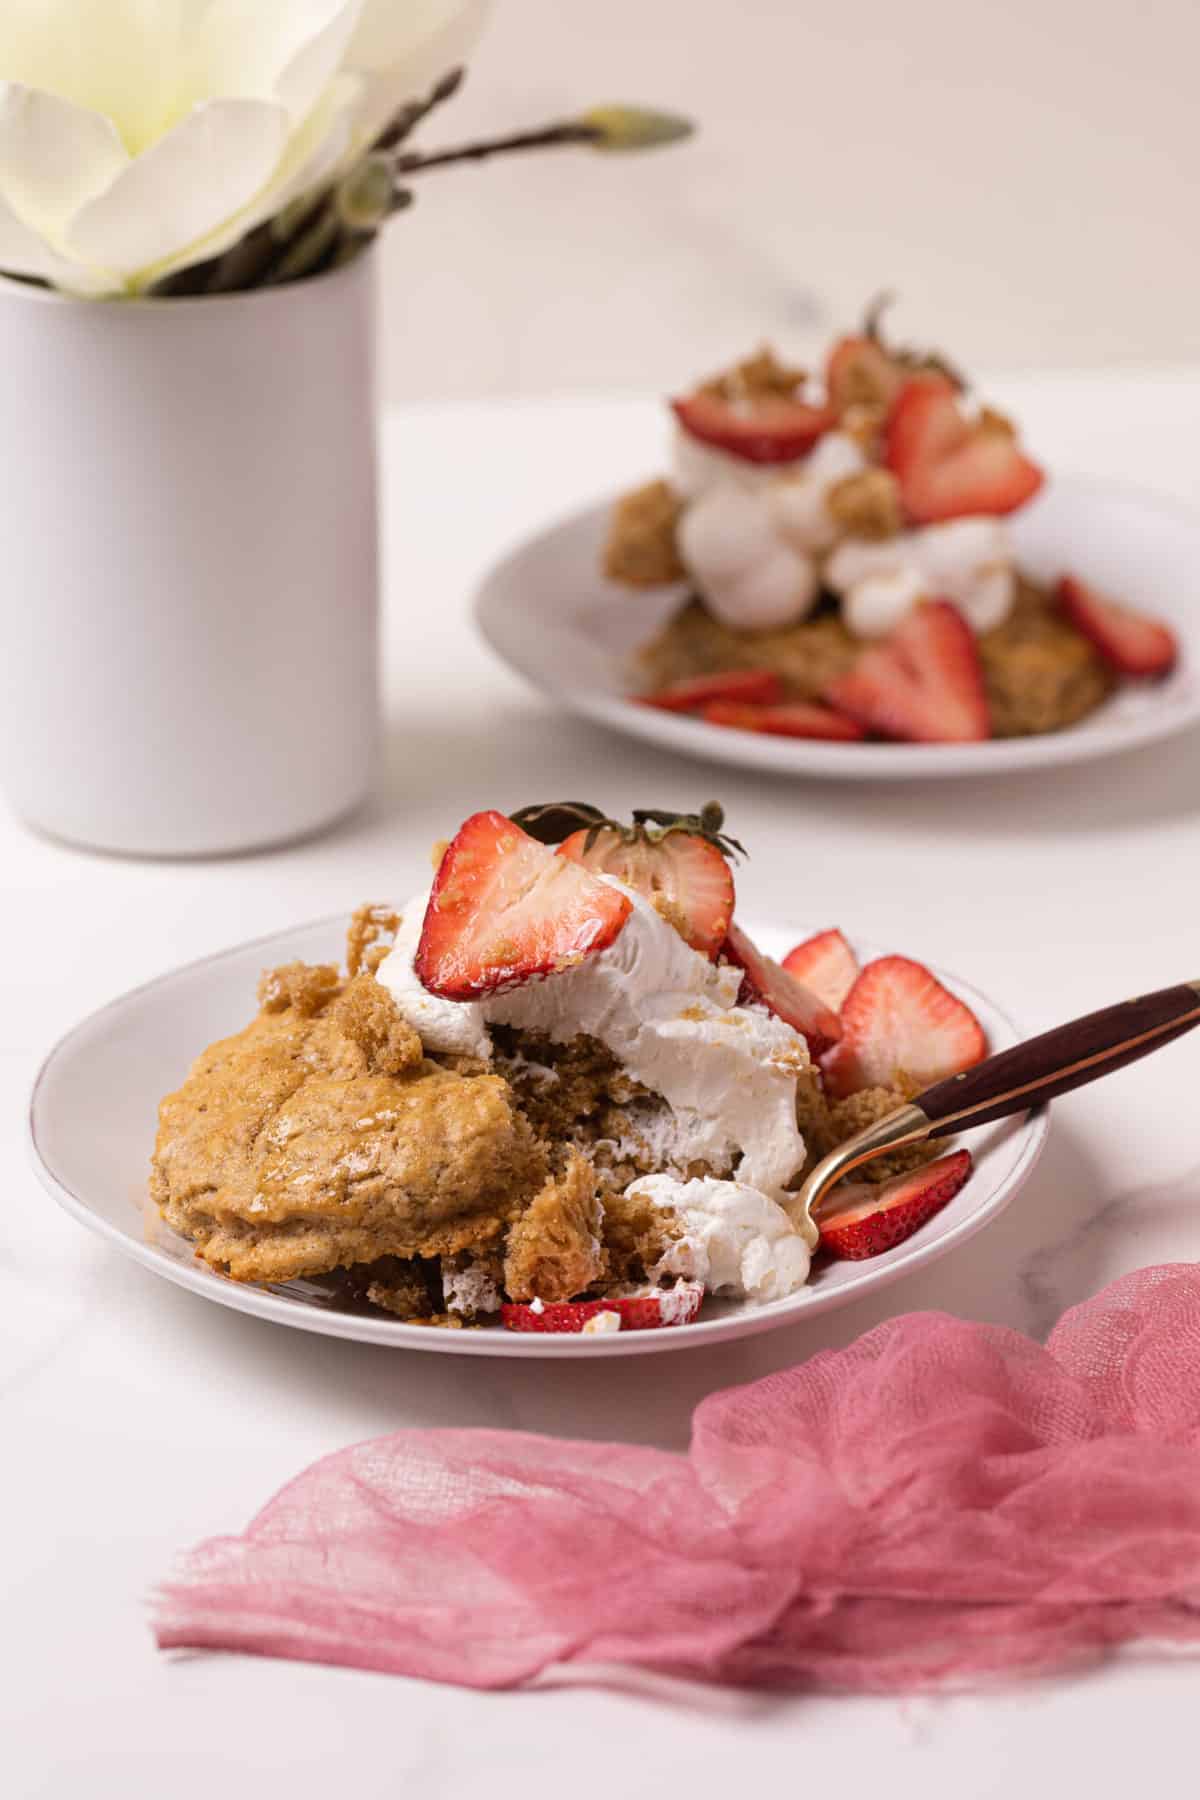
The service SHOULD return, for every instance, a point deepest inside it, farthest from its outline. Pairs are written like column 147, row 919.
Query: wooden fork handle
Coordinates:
column 1067, row 1057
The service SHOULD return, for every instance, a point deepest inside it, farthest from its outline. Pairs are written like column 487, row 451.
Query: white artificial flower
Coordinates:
column 138, row 136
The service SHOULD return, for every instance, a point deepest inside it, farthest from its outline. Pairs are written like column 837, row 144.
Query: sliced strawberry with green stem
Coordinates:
column 505, row 909
column 923, row 683
column 862, row 1219
column 901, row 1027
column 681, row 866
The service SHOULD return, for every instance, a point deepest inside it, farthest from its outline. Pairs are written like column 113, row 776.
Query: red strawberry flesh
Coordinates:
column 505, row 910
column 653, row 1311
column 766, row 982
column 794, row 719
column 923, row 683
column 949, row 466
column 826, row 965
column 901, row 1027
column 1130, row 641
column 685, row 876
column 770, row 430
column 734, row 684
column 861, row 1219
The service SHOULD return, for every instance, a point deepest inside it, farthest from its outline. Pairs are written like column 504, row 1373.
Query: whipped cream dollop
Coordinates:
column 672, row 1020
column 753, row 538
column 750, row 535
column 735, row 1240
column 968, row 561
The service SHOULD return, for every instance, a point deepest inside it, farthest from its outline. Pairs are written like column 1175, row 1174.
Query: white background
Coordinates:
column 1025, row 174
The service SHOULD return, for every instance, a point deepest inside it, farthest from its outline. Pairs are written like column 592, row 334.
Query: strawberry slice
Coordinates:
column 863, row 1219
column 1132, row 642
column 900, row 1025
column 949, row 466
column 923, row 683
column 732, row 684
column 764, row 981
column 686, row 875
column 504, row 909
column 651, row 1311
column 771, row 429
column 826, row 965
column 794, row 719
column 860, row 372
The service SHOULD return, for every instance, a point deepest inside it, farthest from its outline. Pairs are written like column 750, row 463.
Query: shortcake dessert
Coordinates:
column 561, row 1089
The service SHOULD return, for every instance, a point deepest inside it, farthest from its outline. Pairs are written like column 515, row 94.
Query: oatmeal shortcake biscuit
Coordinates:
column 641, row 550
column 322, row 1138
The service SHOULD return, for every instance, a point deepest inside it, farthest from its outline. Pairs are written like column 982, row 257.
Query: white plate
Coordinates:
column 92, row 1119
column 548, row 611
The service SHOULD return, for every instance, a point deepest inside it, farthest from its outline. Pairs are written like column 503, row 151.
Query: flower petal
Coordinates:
column 54, row 157
column 119, row 58
column 23, row 252
column 314, row 156
column 405, row 48
column 208, row 168
column 288, row 50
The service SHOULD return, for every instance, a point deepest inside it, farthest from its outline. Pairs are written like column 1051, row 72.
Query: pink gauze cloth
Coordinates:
column 941, row 1503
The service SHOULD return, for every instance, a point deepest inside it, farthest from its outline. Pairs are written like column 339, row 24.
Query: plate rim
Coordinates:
column 393, row 1334
column 806, row 758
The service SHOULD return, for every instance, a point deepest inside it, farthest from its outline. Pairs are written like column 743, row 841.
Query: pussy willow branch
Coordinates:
column 572, row 132
column 414, row 114
column 329, row 229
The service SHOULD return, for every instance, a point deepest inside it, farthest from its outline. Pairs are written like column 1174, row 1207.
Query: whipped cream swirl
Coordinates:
column 670, row 1017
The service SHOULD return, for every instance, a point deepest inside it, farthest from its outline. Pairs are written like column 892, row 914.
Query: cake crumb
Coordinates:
column 367, row 1015
column 601, row 1324
column 367, row 926
column 306, row 988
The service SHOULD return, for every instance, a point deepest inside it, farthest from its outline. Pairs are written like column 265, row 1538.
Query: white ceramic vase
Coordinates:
column 189, row 564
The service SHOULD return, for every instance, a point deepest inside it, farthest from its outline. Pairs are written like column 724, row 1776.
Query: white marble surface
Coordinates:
column 134, row 1418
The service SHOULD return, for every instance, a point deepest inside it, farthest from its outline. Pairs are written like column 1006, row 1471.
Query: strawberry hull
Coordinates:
column 681, row 872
